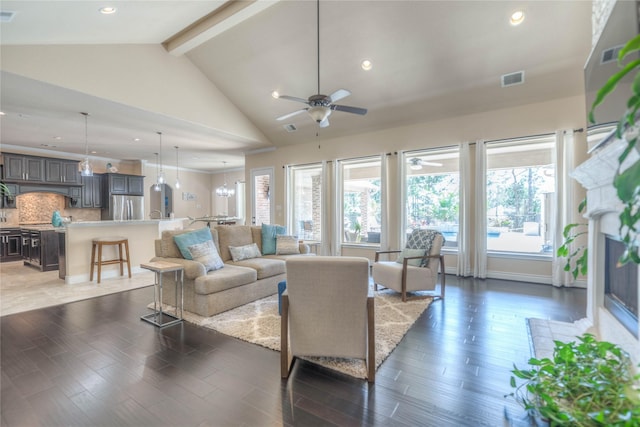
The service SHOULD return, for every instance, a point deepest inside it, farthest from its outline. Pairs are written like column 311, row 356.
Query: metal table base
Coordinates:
column 160, row 318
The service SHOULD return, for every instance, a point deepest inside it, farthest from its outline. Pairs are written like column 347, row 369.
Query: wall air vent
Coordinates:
column 6, row 16
column 512, row 79
column 290, row 128
column 610, row 55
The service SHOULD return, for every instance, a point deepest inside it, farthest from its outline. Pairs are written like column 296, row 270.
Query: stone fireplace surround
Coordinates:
column 603, row 209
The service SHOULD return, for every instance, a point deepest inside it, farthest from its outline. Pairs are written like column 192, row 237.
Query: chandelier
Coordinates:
column 223, row 191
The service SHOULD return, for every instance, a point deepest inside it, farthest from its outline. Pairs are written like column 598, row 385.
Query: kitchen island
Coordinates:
column 141, row 235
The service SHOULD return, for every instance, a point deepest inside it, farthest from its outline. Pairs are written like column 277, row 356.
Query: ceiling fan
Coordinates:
column 416, row 164
column 320, row 106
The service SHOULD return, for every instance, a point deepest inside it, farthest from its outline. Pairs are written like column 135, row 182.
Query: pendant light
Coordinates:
column 177, row 172
column 156, row 186
column 160, row 171
column 223, row 191
column 85, row 166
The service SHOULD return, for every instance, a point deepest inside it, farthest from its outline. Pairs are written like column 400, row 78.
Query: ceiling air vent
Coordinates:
column 290, row 128
column 611, row 54
column 512, row 79
column 6, row 16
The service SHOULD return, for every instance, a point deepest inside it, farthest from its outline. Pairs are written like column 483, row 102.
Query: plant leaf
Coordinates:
column 611, row 85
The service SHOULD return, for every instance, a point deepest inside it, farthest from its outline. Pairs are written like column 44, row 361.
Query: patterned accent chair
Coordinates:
column 415, row 269
column 328, row 310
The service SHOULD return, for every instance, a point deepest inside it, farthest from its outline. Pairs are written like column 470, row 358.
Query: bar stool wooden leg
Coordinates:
column 120, row 258
column 126, row 247
column 93, row 260
column 99, row 261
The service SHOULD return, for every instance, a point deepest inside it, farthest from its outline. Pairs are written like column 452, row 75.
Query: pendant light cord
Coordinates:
column 86, row 135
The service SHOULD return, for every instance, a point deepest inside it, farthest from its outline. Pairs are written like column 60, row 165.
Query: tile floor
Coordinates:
column 24, row 288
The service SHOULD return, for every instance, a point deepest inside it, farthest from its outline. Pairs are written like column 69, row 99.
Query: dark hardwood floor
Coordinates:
column 95, row 363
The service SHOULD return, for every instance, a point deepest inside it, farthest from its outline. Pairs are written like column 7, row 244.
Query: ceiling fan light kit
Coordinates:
column 320, row 106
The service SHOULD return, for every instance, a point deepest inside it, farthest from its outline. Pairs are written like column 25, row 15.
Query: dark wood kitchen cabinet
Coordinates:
column 61, row 171
column 92, row 191
column 131, row 185
column 9, row 201
column 43, row 250
column 10, row 244
column 18, row 167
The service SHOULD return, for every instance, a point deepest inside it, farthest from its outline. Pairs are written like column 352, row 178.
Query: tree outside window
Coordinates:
column 520, row 195
column 432, row 186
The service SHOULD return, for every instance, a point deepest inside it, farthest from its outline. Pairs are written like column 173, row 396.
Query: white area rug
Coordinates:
column 259, row 323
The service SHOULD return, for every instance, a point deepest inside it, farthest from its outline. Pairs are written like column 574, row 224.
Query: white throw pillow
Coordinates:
column 206, row 254
column 287, row 245
column 238, row 253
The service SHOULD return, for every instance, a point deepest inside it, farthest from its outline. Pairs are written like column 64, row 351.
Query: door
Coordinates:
column 262, row 200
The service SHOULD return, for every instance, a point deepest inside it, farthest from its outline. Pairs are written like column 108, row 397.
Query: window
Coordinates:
column 431, row 192
column 305, row 190
column 520, row 195
column 362, row 198
column 262, row 202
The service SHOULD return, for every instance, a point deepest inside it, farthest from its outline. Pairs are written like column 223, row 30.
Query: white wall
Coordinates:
column 532, row 119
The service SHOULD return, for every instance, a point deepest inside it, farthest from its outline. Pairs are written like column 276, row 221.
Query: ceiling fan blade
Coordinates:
column 286, row 116
column 347, row 109
column 339, row 94
column 293, row 98
column 324, row 123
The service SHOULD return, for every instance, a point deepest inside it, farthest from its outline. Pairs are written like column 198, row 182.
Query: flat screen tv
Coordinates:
column 621, row 26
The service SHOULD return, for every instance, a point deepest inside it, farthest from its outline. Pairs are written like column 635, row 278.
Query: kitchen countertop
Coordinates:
column 80, row 224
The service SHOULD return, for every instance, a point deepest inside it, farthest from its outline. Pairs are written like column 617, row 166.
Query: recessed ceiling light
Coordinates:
column 94, row 152
column 366, row 65
column 1, row 113
column 136, row 139
column 516, row 17
column 107, row 10
column 57, row 138
column 275, row 94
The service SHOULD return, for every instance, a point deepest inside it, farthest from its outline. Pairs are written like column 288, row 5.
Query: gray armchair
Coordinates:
column 417, row 267
column 327, row 310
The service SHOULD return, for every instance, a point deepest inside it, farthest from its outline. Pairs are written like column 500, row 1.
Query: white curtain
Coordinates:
column 386, row 201
column 336, row 209
column 327, row 219
column 464, row 218
column 480, row 253
column 564, row 203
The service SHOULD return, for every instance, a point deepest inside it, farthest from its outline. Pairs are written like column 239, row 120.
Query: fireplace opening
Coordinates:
column 621, row 286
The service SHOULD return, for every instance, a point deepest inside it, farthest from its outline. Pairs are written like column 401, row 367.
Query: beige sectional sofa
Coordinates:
column 236, row 284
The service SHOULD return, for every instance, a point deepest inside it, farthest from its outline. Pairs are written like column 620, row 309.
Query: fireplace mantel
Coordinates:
column 603, row 209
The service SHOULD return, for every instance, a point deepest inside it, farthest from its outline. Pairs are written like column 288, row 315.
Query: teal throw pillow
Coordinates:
column 408, row 253
column 184, row 240
column 269, row 233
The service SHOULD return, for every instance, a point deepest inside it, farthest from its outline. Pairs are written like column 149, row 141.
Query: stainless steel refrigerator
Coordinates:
column 124, row 208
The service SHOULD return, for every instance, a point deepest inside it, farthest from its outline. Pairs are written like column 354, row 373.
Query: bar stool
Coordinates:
column 98, row 243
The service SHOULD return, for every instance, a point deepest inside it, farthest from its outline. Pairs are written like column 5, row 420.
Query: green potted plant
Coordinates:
column 577, row 259
column 585, row 383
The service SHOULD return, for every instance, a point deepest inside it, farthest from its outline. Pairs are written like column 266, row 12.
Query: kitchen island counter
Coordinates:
column 141, row 234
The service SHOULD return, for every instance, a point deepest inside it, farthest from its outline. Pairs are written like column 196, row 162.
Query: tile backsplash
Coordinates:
column 39, row 207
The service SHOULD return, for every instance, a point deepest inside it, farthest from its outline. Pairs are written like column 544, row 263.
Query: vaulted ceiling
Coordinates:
column 430, row 59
